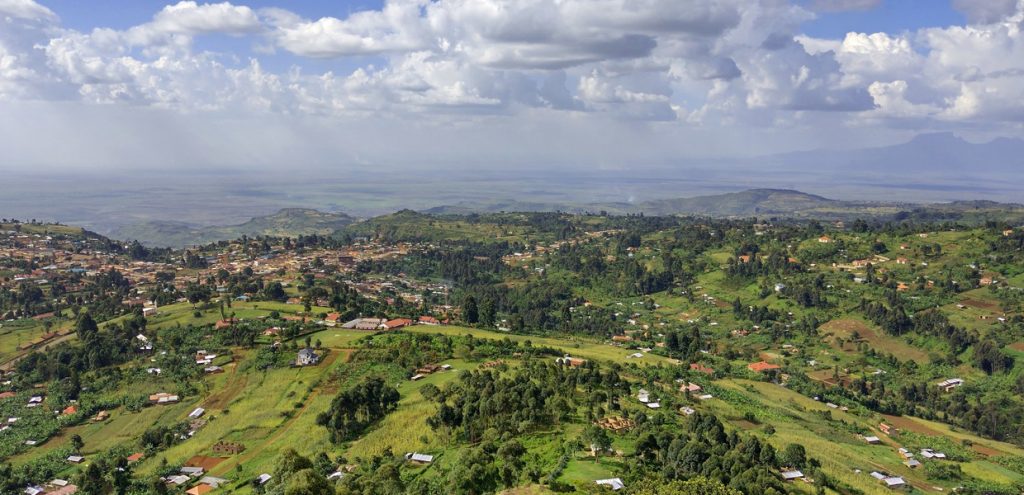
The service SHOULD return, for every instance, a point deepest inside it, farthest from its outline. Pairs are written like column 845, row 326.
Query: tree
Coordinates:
column 290, row 462
column 794, row 455
column 487, row 312
column 470, row 313
column 597, row 438
column 92, row 481
column 77, row 443
column 354, row 409
column 511, row 455
column 308, row 482
column 275, row 292
column 694, row 486
column 86, row 328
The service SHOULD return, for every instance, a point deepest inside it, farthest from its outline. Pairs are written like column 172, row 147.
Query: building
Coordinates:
column 307, row 357
column 200, row 489
column 951, row 383
column 792, row 475
column 762, row 366
column 397, row 323
column 615, row 484
column 418, row 458
column 231, row 448
column 163, row 398
column 643, row 396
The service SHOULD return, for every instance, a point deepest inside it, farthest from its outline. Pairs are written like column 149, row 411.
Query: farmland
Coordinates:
column 617, row 337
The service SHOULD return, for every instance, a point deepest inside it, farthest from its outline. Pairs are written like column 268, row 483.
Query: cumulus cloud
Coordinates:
column 26, row 9
column 986, row 11
column 691, row 64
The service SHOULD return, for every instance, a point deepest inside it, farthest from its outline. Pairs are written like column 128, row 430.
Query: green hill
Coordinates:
column 286, row 222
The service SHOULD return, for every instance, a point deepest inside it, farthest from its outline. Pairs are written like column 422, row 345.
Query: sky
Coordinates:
column 473, row 84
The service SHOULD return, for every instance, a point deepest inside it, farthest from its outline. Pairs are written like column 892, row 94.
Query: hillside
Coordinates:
column 744, row 203
column 286, row 222
column 780, row 203
column 772, row 346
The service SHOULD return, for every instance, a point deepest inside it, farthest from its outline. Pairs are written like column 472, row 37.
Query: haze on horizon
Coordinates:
column 255, row 99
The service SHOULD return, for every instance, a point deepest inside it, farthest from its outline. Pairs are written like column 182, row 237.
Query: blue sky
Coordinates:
column 891, row 16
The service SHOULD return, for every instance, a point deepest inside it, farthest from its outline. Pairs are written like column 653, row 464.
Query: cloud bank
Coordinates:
column 693, row 77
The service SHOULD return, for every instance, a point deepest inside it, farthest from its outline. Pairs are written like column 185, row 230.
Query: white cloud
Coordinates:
column 692, row 64
column 26, row 9
column 986, row 11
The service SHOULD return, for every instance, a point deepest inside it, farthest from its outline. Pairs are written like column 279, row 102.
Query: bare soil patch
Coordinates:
column 904, row 423
column 974, row 303
column 205, row 462
column 986, row 451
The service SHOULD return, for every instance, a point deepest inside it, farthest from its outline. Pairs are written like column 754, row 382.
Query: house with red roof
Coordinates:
column 397, row 323
column 762, row 366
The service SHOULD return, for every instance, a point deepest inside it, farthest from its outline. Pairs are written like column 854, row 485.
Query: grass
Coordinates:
column 871, row 335
column 584, row 348
column 406, row 430
column 797, row 419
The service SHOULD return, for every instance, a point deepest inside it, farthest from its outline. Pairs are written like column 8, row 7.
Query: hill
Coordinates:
column 744, row 203
column 778, row 203
column 286, row 222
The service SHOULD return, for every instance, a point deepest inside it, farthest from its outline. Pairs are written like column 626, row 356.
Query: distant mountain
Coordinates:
column 287, row 222
column 936, row 154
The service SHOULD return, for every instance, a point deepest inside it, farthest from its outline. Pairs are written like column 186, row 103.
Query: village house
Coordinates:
column 951, row 383
column 230, row 448
column 689, row 387
column 163, row 398
column 428, row 320
column 615, row 484
column 397, row 323
column 307, row 357
column 417, row 458
column 643, row 396
column 570, row 361
column 762, row 366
